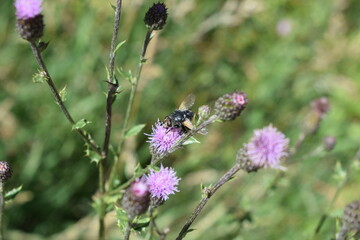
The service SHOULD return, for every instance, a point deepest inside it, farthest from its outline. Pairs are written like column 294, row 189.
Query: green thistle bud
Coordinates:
column 229, row 106
column 156, row 16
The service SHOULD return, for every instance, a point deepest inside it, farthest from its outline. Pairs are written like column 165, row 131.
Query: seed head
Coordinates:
column 229, row 106
column 5, row 171
column 155, row 17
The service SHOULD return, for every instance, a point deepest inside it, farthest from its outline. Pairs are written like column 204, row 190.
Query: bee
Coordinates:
column 181, row 118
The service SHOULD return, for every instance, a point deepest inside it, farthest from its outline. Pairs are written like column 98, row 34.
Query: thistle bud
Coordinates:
column 245, row 162
column 136, row 198
column 5, row 171
column 204, row 112
column 351, row 219
column 229, row 106
column 329, row 143
column 155, row 17
column 30, row 24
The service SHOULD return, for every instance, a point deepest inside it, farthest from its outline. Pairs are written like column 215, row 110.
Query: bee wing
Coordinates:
column 187, row 102
column 187, row 123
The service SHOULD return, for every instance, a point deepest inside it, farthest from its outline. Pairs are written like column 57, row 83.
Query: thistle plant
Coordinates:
column 138, row 199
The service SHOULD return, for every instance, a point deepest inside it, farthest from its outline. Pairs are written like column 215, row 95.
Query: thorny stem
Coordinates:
column 1, row 210
column 58, row 99
column 336, row 194
column 112, row 88
column 134, row 84
column 208, row 194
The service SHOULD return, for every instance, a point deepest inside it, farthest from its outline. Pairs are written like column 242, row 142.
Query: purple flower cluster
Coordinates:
column 267, row 147
column 26, row 9
column 162, row 183
column 162, row 139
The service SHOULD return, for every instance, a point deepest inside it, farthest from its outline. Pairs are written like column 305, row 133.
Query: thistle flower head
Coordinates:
column 267, row 147
column 229, row 106
column 30, row 23
column 26, row 9
column 5, row 171
column 162, row 183
column 136, row 199
column 204, row 111
column 162, row 139
column 156, row 16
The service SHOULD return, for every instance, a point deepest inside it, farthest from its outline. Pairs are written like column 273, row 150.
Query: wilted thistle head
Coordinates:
column 5, row 171
column 162, row 139
column 266, row 148
column 136, row 199
column 30, row 24
column 162, row 183
column 155, row 17
column 230, row 105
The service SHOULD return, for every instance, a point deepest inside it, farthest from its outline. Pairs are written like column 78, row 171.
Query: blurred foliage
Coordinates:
column 282, row 53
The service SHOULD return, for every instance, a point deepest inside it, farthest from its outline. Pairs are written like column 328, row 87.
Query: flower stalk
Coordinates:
column 208, row 193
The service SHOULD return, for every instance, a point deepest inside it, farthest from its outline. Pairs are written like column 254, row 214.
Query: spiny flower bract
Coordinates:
column 267, row 147
column 162, row 183
column 26, row 9
column 162, row 139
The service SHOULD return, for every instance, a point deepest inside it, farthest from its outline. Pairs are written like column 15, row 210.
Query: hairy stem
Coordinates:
column 208, row 194
column 134, row 84
column 59, row 101
column 112, row 88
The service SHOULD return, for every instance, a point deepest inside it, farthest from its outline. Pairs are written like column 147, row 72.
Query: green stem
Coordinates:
column 134, row 85
column 59, row 101
column 208, row 193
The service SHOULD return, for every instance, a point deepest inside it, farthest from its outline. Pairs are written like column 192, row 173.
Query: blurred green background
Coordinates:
column 282, row 53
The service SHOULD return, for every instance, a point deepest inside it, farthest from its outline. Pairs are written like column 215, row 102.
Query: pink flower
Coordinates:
column 267, row 147
column 26, row 9
column 162, row 183
column 162, row 139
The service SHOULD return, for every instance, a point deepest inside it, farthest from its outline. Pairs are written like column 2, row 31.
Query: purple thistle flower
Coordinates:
column 26, row 9
column 162, row 139
column 162, row 183
column 267, row 147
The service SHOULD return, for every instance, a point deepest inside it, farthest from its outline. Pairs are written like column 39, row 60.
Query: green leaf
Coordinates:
column 80, row 124
column 134, row 130
column 140, row 223
column 10, row 195
column 94, row 156
column 339, row 174
column 122, row 218
column 63, row 94
column 119, row 46
column 191, row 140
column 39, row 77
